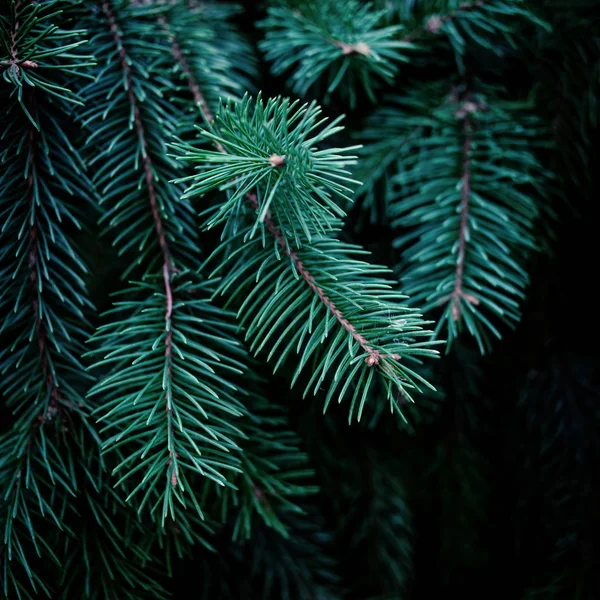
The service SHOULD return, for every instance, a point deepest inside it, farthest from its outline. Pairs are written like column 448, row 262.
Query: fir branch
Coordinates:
column 269, row 466
column 272, row 153
column 222, row 61
column 146, row 159
column 455, row 255
column 182, row 61
column 167, row 266
column 164, row 394
column 44, row 306
column 395, row 377
column 350, row 323
column 327, row 48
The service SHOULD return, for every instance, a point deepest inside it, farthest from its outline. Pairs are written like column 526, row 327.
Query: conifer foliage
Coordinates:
column 246, row 252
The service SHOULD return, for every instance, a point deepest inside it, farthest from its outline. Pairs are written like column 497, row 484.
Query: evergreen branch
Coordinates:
column 167, row 266
column 269, row 466
column 220, row 59
column 182, row 61
column 386, row 360
column 146, row 159
column 165, row 396
column 13, row 61
column 373, row 355
column 461, row 258
column 44, row 306
column 352, row 316
column 272, row 153
column 435, row 23
column 137, row 393
column 327, row 48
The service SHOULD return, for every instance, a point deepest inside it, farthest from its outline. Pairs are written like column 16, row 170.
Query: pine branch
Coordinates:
column 222, row 62
column 263, row 320
column 326, row 47
column 167, row 398
column 456, row 256
column 44, row 307
column 273, row 471
column 269, row 157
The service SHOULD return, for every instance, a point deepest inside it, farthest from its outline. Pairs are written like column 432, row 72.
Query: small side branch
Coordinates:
column 13, row 62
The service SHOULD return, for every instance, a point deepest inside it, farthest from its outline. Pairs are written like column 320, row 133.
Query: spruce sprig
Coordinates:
column 469, row 215
column 165, row 356
column 326, row 47
column 271, row 149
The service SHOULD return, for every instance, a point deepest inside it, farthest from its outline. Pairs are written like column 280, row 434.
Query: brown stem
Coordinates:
column 434, row 23
column 348, row 49
column 374, row 356
column 152, row 197
column 32, row 261
column 458, row 293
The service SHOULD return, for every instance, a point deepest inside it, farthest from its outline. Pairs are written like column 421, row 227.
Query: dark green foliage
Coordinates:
column 373, row 340
column 559, row 451
column 179, row 408
column 44, row 308
column 270, row 150
column 252, row 411
column 378, row 523
column 107, row 561
column 328, row 47
column 301, row 566
column 275, row 473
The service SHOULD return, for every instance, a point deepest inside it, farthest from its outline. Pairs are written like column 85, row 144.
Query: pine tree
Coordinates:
column 286, row 299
